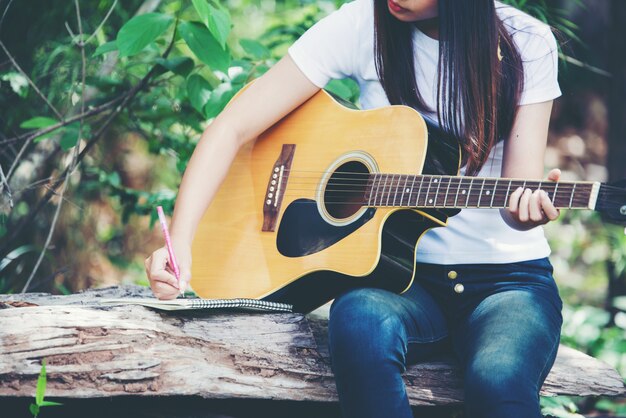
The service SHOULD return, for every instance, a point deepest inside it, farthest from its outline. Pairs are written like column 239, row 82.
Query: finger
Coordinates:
column 164, row 277
column 548, row 207
column 164, row 291
column 554, row 174
column 524, row 201
column 160, row 269
column 534, row 207
column 514, row 200
column 185, row 278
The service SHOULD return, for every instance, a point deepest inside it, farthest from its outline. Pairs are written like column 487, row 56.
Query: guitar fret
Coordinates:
column 445, row 199
column 426, row 198
column 469, row 191
column 556, row 187
column 480, row 194
column 419, row 191
column 458, row 187
column 411, row 192
column 493, row 194
column 437, row 192
column 375, row 189
column 507, row 198
column 403, row 190
column 393, row 203
column 382, row 195
column 388, row 192
column 572, row 196
column 369, row 201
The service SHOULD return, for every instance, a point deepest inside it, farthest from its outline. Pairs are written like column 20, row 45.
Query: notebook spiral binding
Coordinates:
column 240, row 303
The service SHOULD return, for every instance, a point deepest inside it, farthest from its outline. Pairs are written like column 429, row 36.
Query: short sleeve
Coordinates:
column 540, row 61
column 327, row 50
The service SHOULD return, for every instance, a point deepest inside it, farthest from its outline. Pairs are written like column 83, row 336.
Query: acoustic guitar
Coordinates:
column 331, row 198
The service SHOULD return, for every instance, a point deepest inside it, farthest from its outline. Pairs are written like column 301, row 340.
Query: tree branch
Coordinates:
column 74, row 162
column 30, row 82
column 96, row 136
column 5, row 183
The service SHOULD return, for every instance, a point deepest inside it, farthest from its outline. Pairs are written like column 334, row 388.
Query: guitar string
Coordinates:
column 444, row 176
column 562, row 186
column 471, row 201
column 575, row 205
column 444, row 180
column 562, row 194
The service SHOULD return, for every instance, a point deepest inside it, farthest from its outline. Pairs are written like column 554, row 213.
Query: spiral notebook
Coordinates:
column 243, row 304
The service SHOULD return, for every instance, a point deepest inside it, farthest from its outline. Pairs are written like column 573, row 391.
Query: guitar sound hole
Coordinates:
column 345, row 191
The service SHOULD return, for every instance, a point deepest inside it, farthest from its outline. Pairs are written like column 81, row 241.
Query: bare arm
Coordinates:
column 266, row 101
column 523, row 158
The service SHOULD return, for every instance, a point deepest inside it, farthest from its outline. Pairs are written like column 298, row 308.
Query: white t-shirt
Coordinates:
column 342, row 45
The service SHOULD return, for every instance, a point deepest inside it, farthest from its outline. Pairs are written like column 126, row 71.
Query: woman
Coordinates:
column 488, row 74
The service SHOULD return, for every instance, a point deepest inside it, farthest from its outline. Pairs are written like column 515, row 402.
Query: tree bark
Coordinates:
column 94, row 351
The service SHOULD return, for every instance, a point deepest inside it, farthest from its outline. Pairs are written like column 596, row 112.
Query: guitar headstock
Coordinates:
column 612, row 202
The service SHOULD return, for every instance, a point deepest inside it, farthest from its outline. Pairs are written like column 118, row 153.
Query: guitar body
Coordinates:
column 289, row 241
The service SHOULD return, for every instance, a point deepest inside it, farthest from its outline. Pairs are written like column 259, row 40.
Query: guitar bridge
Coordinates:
column 276, row 186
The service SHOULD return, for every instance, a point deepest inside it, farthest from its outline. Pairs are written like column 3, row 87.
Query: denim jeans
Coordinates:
column 502, row 324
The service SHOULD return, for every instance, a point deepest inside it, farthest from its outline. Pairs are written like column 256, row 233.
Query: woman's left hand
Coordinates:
column 528, row 209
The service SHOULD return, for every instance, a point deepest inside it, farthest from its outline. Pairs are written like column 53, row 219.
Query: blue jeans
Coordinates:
column 502, row 324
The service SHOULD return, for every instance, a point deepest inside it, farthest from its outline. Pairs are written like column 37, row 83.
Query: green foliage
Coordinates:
column 140, row 31
column 40, row 393
column 18, row 83
column 559, row 407
column 13, row 264
column 205, row 46
column 217, row 20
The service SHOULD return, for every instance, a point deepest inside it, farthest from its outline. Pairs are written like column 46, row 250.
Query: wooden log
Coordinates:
column 97, row 351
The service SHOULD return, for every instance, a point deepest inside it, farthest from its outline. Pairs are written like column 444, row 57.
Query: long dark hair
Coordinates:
column 480, row 73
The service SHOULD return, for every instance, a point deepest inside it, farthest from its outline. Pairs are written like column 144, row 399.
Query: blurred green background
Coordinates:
column 136, row 83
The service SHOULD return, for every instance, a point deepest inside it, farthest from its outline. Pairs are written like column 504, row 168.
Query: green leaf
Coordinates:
column 178, row 65
column 70, row 135
column 41, row 384
column 16, row 253
column 216, row 19
column 198, row 91
column 219, row 24
column 38, row 122
column 34, row 409
column 50, row 403
column 255, row 49
column 202, row 7
column 19, row 83
column 220, row 97
column 69, row 140
column 204, row 46
column 105, row 48
column 139, row 31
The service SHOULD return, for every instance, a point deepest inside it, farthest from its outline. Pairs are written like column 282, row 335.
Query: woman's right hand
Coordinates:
column 161, row 275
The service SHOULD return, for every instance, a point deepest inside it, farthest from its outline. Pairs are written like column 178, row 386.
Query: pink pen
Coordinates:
column 168, row 244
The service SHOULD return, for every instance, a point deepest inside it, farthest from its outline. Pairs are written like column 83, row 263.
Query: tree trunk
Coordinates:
column 95, row 351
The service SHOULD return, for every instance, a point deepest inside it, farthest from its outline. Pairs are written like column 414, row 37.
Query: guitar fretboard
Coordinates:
column 399, row 190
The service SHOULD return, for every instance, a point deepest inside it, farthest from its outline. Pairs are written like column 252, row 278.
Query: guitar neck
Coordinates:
column 399, row 190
